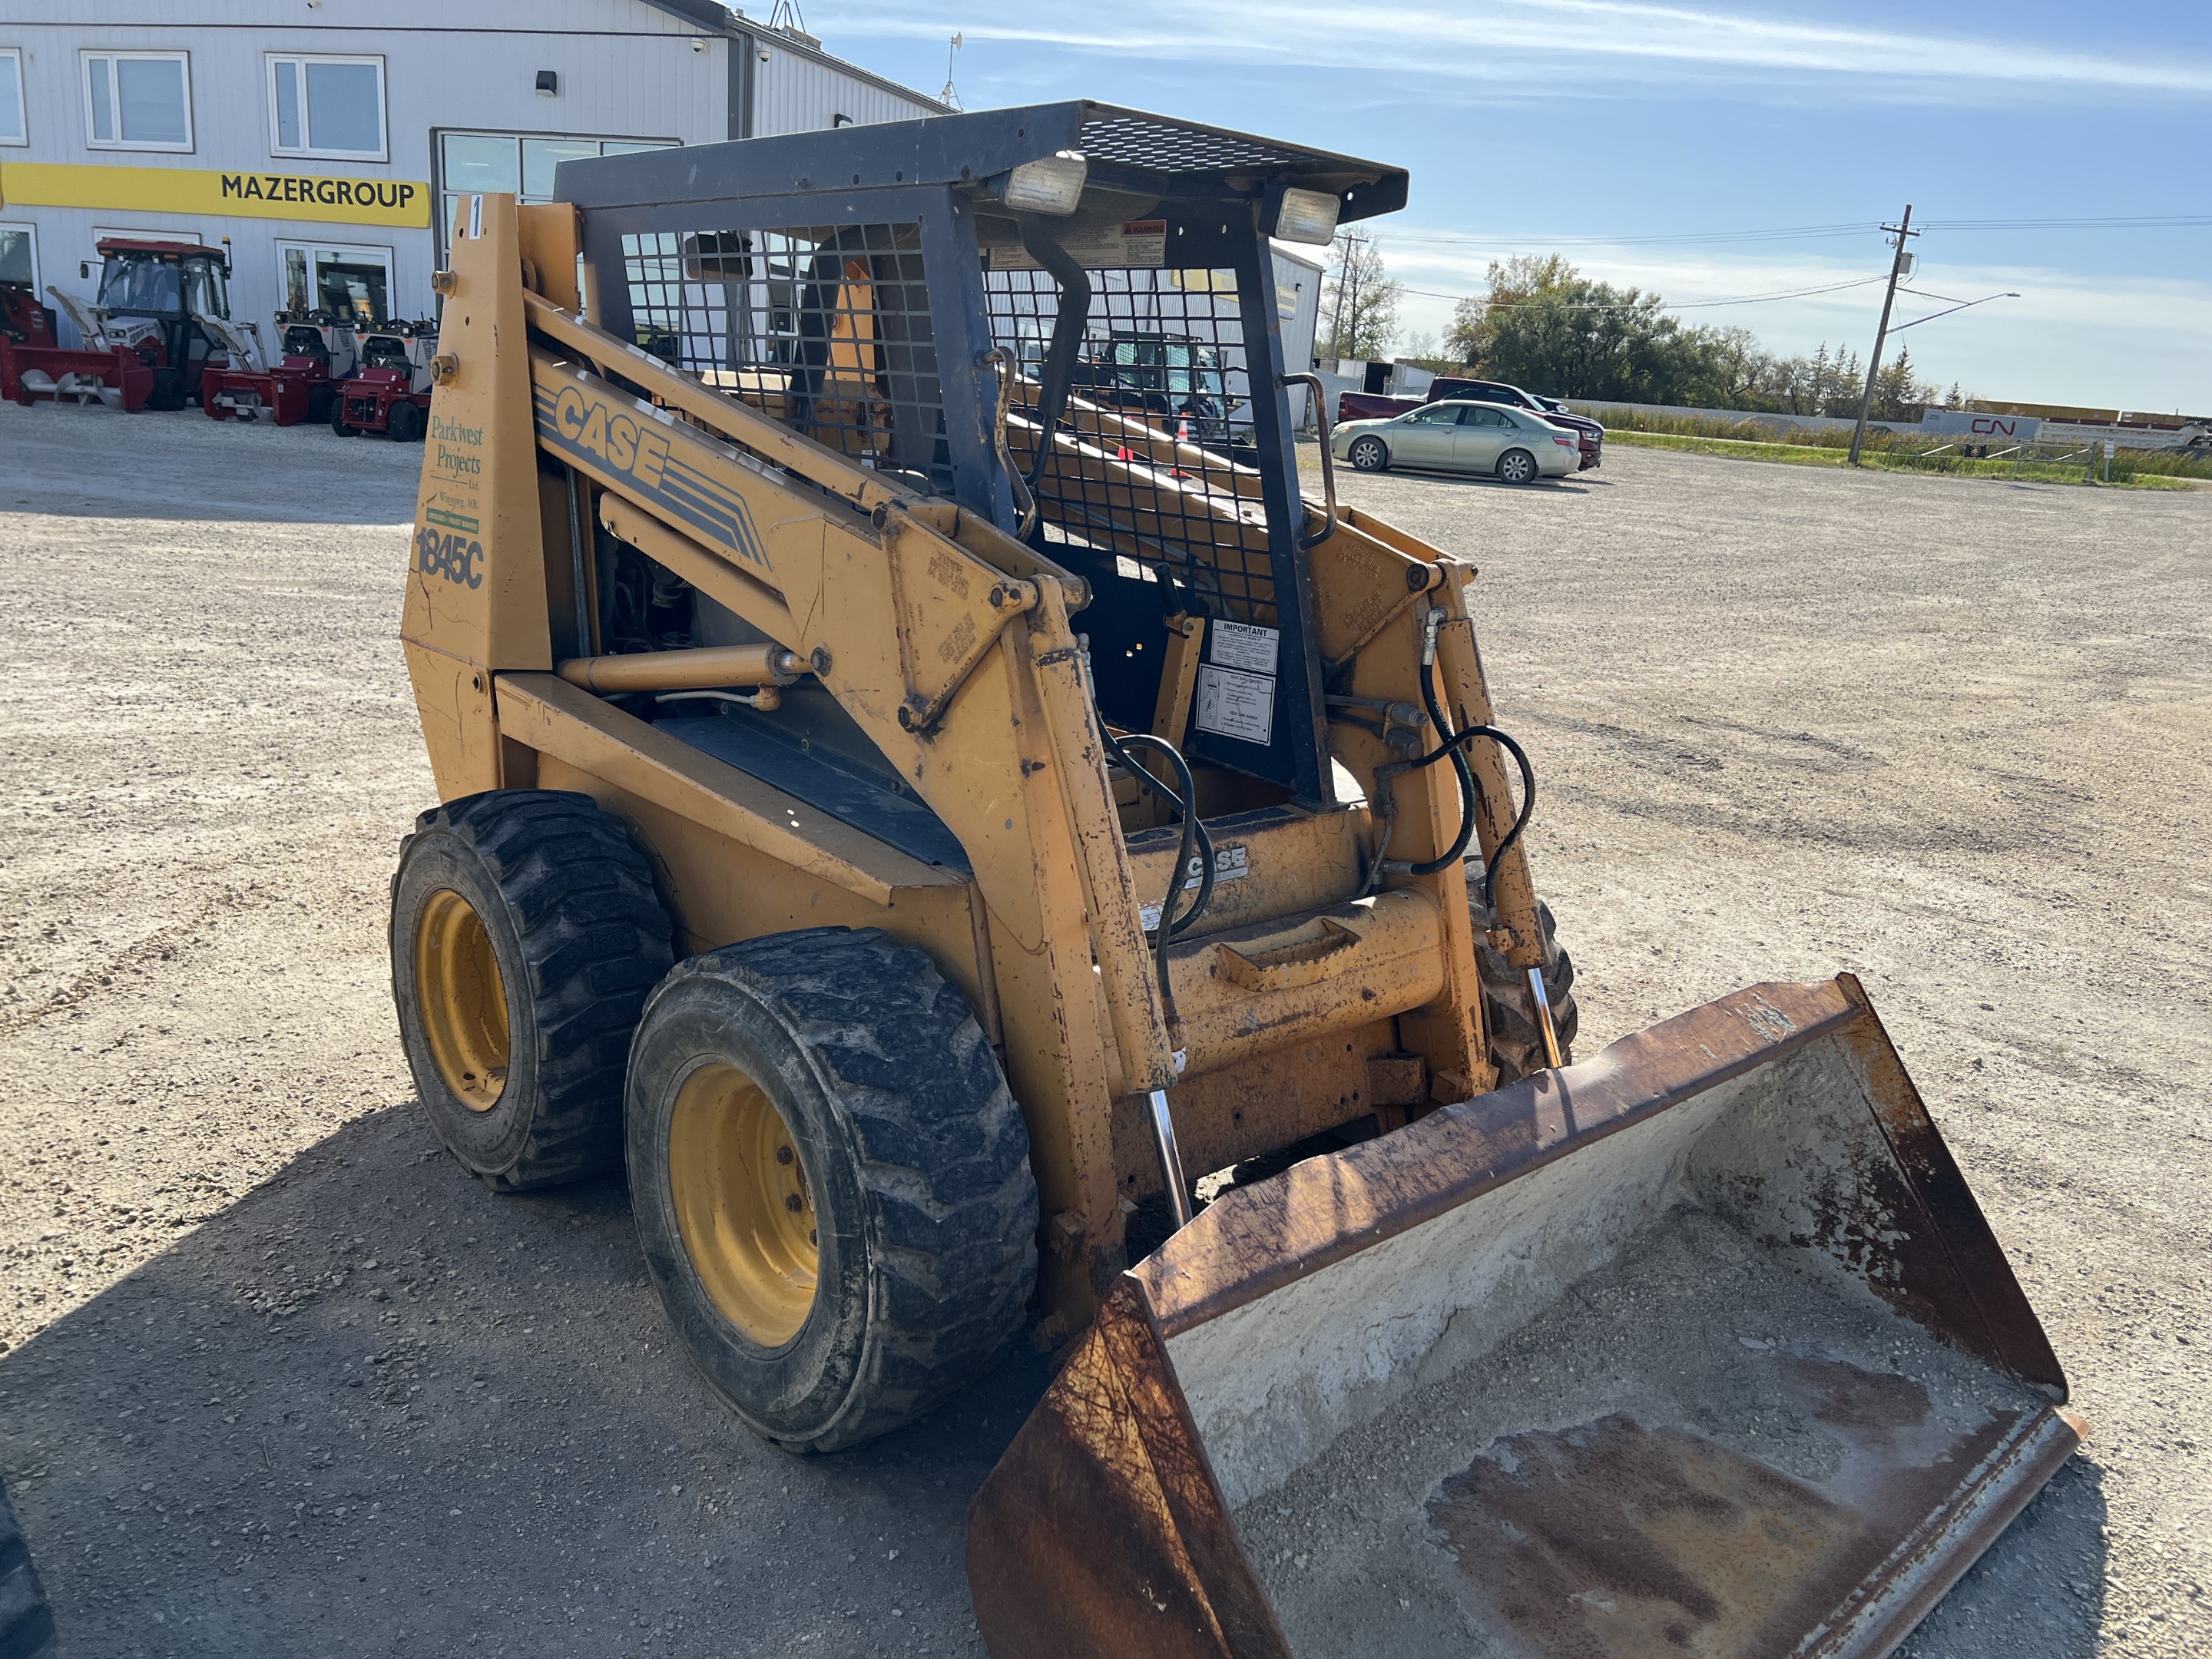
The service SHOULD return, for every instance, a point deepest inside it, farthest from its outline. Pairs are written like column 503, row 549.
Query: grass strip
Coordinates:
column 1956, row 465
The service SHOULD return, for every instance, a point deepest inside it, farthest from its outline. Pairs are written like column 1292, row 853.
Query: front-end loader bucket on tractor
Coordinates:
column 1702, row 1347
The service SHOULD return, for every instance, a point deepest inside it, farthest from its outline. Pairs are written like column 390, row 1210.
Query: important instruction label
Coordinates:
column 1236, row 704
column 1241, row 645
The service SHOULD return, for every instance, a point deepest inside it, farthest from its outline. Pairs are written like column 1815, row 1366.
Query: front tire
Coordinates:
column 168, row 392
column 525, row 937
column 831, row 1182
column 1508, row 1011
column 1368, row 454
column 404, row 424
column 1517, row 467
column 339, row 424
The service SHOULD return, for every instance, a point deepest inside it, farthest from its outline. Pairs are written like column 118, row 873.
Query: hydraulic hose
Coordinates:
column 1450, row 747
column 1453, row 747
column 1195, row 837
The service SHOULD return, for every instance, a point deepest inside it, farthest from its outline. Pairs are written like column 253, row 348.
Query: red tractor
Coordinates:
column 390, row 392
column 168, row 304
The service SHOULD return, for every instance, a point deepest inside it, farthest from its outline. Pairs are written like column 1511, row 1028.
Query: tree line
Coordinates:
column 1546, row 327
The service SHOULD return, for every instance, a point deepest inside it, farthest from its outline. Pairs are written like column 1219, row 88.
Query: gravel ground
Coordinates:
column 277, row 1379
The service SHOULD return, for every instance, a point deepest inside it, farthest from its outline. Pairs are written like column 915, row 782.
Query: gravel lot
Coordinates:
column 274, row 1377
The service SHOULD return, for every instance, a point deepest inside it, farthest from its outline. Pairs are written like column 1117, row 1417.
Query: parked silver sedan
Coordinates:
column 1510, row 444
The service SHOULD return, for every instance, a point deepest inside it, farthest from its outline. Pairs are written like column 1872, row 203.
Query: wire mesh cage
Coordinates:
column 1151, row 470
column 826, row 329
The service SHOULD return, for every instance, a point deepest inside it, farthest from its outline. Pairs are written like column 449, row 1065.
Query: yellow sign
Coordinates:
column 403, row 203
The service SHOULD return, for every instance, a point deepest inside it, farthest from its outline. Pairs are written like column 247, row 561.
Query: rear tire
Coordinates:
column 1368, row 454
column 1517, row 467
column 339, row 422
column 831, row 1182
column 168, row 392
column 404, row 424
column 525, row 937
column 1508, row 1011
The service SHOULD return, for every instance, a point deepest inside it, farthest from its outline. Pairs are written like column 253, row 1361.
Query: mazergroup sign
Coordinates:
column 402, row 203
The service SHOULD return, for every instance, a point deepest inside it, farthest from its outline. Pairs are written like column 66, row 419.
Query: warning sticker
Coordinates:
column 1236, row 704
column 1241, row 645
column 1133, row 243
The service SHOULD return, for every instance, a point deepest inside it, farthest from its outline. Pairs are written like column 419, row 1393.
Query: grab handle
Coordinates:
column 1307, row 543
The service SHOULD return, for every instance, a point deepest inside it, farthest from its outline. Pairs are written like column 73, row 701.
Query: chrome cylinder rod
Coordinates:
column 1163, row 1138
column 1542, row 998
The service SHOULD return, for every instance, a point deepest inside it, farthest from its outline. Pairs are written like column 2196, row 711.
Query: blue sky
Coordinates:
column 1642, row 140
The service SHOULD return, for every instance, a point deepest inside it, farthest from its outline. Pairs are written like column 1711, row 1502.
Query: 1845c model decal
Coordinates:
column 618, row 436
column 456, row 558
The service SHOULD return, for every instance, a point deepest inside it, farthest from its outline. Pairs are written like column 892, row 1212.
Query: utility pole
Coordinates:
column 1344, row 272
column 1903, row 231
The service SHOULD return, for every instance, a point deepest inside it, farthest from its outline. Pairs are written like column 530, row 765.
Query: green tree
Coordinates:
column 1359, row 302
column 1898, row 393
column 1546, row 327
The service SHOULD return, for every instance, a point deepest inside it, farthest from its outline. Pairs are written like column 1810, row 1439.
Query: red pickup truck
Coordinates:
column 1370, row 406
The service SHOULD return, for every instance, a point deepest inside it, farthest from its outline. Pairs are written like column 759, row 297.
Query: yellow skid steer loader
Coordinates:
column 926, row 789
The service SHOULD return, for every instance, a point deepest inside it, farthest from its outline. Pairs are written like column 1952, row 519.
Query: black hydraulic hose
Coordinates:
column 1451, row 747
column 1194, row 836
column 1455, row 746
column 1521, row 818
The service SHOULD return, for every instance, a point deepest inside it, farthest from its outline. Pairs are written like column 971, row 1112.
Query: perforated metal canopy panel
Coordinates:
column 1161, row 145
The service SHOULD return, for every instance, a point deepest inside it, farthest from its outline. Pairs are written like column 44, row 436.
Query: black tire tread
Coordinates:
column 597, row 941
column 27, row 1623
column 943, row 1156
column 1516, row 1046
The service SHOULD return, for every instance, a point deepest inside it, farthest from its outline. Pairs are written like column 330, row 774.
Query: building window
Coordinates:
column 137, row 100
column 471, row 163
column 354, row 285
column 14, row 128
column 19, row 256
column 331, row 106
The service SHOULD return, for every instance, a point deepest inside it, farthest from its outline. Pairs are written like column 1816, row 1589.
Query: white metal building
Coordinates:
column 319, row 139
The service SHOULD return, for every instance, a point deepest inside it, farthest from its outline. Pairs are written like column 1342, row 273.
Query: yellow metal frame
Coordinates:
column 949, row 643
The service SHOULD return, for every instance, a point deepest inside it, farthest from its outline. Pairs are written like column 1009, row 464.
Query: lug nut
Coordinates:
column 791, row 1202
column 783, row 1154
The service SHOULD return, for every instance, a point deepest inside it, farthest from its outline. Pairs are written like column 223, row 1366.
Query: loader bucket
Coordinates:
column 1702, row 1347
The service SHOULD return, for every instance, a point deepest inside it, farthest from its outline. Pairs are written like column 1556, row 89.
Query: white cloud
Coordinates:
column 1509, row 39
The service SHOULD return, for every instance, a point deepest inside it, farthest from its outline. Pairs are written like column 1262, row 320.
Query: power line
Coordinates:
column 2178, row 221
column 1786, row 232
column 1640, row 304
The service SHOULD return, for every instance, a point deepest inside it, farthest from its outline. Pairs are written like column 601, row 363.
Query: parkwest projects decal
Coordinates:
column 401, row 204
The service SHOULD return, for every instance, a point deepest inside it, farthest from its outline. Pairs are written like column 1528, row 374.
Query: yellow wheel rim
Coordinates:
column 462, row 999
column 743, row 1204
